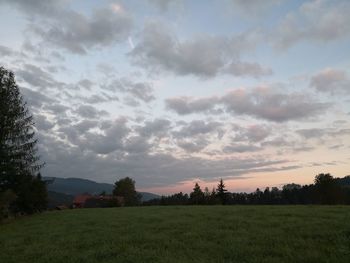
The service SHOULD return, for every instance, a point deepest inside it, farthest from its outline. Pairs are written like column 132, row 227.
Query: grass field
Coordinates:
column 181, row 234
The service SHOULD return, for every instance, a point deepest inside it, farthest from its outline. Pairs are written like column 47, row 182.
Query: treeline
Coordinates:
column 325, row 190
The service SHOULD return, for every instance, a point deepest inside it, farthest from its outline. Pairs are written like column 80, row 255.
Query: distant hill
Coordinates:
column 76, row 186
column 56, row 199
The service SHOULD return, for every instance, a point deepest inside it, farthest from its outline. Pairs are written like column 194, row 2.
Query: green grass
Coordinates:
column 181, row 234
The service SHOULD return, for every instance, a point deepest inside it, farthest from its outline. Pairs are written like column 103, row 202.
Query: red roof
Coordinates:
column 81, row 199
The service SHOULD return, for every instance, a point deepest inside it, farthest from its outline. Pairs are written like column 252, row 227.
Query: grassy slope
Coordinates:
column 181, row 234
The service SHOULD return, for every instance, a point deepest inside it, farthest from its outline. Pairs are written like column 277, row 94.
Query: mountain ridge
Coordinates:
column 74, row 186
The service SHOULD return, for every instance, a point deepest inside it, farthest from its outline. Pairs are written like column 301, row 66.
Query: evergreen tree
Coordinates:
column 197, row 196
column 18, row 153
column 221, row 192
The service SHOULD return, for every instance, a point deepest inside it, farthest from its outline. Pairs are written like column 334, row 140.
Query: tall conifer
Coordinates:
column 19, row 162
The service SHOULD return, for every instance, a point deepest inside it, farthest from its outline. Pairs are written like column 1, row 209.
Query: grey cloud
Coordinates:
column 198, row 127
column 88, row 111
column 36, row 99
column 316, row 21
column 125, row 153
column 136, row 90
column 263, row 103
column 312, row 133
column 252, row 7
column 203, row 56
column 56, row 108
column 164, row 5
column 77, row 33
column 110, row 141
column 188, row 105
column 278, row 142
column 6, row 51
column 37, row 77
column 85, row 125
column 240, row 148
column 157, row 127
column 42, row 123
column 239, row 68
column 147, row 170
column 38, row 7
column 332, row 81
column 137, row 144
column 97, row 98
column 85, row 83
column 253, row 133
column 193, row 145
column 319, row 133
column 273, row 106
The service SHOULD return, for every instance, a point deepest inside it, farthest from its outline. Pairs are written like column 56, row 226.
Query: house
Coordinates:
column 80, row 200
column 92, row 201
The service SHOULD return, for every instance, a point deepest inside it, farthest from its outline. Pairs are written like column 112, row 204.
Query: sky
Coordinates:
column 173, row 92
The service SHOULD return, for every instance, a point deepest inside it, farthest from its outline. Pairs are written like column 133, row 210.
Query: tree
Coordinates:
column 197, row 196
column 221, row 192
column 126, row 188
column 19, row 162
column 327, row 189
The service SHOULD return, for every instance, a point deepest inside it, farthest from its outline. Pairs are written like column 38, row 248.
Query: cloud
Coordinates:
column 193, row 145
column 78, row 33
column 319, row 133
column 248, row 69
column 267, row 104
column 198, row 127
column 203, row 56
column 37, row 77
column 38, row 7
column 6, row 51
column 149, row 170
column 143, row 91
column 85, row 125
column 42, row 123
column 332, row 81
column 316, row 20
column 240, row 148
column 73, row 31
column 164, row 5
column 263, row 103
column 253, row 7
column 312, row 133
column 189, row 105
column 88, row 111
column 36, row 99
column 252, row 133
column 156, row 127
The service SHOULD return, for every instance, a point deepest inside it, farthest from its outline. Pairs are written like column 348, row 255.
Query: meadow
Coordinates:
column 181, row 234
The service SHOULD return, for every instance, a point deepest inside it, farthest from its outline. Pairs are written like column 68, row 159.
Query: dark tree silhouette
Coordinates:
column 19, row 162
column 221, row 192
column 327, row 190
column 126, row 188
column 197, row 196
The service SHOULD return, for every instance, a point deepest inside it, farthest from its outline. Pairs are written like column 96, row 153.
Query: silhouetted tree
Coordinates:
column 18, row 153
column 197, row 196
column 221, row 192
column 327, row 191
column 126, row 188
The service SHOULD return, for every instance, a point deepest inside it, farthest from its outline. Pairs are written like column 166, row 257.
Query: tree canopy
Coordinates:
column 126, row 188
